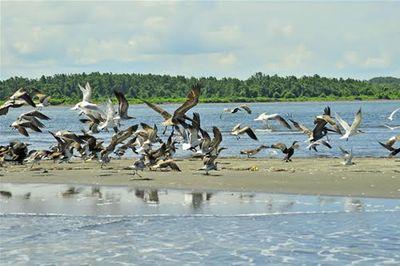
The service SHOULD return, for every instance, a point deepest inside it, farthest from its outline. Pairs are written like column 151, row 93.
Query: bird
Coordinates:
column 391, row 128
column 179, row 116
column 123, row 106
column 390, row 117
column 264, row 117
column 321, row 122
column 389, row 145
column 244, row 107
column 347, row 156
column 18, row 99
column 23, row 125
column 238, row 130
column 44, row 100
column 313, row 145
column 85, row 106
column 209, row 164
column 138, row 165
column 287, row 151
column 253, row 152
column 112, row 119
column 191, row 134
column 165, row 164
column 353, row 129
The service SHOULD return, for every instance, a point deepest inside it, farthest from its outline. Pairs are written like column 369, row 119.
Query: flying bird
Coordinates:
column 392, row 114
column 264, row 117
column 123, row 106
column 389, row 145
column 353, row 129
column 253, row 152
column 238, row 130
column 179, row 116
column 244, row 107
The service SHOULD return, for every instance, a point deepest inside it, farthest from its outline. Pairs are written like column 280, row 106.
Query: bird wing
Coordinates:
column 159, row 110
column 217, row 137
column 343, row 123
column 279, row 146
column 246, row 108
column 323, row 142
column 301, row 128
column 87, row 94
column 250, row 132
column 386, row 146
column 357, row 121
column 343, row 151
column 36, row 113
column 22, row 130
column 123, row 104
column 192, row 100
column 236, row 127
column 393, row 113
column 174, row 166
column 281, row 120
column 27, row 98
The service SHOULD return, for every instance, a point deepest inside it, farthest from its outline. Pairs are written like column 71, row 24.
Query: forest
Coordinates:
column 259, row 87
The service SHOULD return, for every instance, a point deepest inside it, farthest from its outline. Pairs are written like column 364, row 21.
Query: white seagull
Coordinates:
column 393, row 113
column 264, row 117
column 353, row 129
column 112, row 118
column 85, row 106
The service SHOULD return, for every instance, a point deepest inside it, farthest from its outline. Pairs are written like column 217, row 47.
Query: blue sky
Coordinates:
column 339, row 39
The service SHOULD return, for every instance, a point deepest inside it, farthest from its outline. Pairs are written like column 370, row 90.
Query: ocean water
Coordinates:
column 374, row 117
column 122, row 225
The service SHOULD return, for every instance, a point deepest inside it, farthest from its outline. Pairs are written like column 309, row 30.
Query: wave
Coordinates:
column 166, row 215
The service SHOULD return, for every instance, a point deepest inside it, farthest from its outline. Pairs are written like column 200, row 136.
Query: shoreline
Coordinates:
column 369, row 177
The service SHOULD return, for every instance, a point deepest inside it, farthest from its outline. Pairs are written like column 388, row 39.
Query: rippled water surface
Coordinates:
column 374, row 116
column 104, row 225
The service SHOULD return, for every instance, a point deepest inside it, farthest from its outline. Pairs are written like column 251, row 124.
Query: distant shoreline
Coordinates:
column 69, row 102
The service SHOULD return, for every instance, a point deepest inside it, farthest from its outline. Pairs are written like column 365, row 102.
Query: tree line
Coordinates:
column 258, row 87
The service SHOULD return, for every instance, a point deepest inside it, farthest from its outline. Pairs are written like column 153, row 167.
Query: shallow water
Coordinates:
column 374, row 116
column 107, row 225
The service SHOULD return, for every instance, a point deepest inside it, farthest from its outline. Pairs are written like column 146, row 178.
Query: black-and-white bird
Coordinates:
column 238, row 130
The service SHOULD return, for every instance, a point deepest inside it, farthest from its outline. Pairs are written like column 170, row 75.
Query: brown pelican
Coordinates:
column 123, row 106
column 287, row 151
column 18, row 99
column 210, row 146
column 389, row 145
column 22, row 125
column 353, row 129
column 179, row 115
column 321, row 121
column 253, row 152
column 264, row 117
column 393, row 113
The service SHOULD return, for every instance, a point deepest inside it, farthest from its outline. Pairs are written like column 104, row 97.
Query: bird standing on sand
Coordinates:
column 287, row 151
column 209, row 164
column 347, row 156
column 238, row 130
column 353, row 129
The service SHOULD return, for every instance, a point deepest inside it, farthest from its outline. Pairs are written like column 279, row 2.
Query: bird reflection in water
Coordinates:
column 196, row 199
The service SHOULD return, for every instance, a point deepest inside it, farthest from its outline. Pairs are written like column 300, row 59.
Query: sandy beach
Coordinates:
column 369, row 177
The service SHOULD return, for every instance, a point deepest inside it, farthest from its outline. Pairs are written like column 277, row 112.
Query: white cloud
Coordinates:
column 200, row 38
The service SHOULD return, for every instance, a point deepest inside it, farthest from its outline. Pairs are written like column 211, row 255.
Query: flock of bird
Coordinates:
column 144, row 139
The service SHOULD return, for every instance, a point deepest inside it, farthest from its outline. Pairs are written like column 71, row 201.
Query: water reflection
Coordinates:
column 196, row 199
column 103, row 200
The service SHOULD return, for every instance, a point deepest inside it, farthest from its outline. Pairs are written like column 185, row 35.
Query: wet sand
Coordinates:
column 369, row 177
